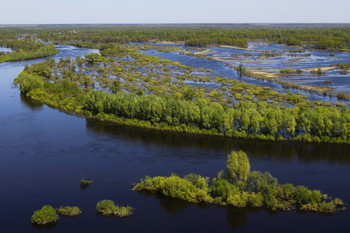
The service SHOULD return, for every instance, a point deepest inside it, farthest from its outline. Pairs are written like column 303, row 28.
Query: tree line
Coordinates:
column 329, row 37
column 244, row 119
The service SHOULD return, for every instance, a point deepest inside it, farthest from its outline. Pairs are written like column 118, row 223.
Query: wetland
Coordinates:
column 45, row 150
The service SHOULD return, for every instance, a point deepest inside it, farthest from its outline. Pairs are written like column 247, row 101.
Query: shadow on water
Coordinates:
column 305, row 152
column 236, row 217
column 171, row 205
column 45, row 227
column 33, row 105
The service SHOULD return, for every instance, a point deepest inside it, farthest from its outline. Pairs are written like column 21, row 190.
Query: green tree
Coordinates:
column 238, row 166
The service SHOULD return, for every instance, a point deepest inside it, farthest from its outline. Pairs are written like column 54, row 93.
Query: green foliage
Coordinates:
column 257, row 181
column 193, row 188
column 292, row 41
column 29, row 82
column 69, row 211
column 205, row 42
column 20, row 54
column 164, row 102
column 107, row 207
column 253, row 189
column 238, row 166
column 84, row 182
column 47, row 214
column 93, row 58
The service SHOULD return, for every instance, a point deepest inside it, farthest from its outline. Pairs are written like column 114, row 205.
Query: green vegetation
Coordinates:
column 289, row 71
column 149, row 92
column 344, row 68
column 69, row 211
column 47, row 214
column 25, row 50
column 317, row 72
column 85, row 183
column 107, row 207
column 241, row 188
column 325, row 37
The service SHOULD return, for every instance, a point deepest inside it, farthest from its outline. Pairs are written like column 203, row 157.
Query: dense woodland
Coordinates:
column 240, row 187
column 322, row 36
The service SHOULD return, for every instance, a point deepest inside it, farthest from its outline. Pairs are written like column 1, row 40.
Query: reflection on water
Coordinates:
column 305, row 152
column 44, row 227
column 171, row 205
column 237, row 217
column 33, row 105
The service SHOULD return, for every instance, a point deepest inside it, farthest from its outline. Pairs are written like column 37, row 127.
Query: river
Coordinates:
column 44, row 153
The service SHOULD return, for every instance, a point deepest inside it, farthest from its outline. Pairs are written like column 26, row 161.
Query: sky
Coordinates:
column 173, row 11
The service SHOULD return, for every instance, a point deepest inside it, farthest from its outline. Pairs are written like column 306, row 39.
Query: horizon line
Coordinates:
column 169, row 23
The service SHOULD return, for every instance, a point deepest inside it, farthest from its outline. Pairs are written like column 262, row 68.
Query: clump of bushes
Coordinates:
column 239, row 187
column 85, row 183
column 342, row 96
column 69, row 211
column 317, row 72
column 47, row 214
column 108, row 208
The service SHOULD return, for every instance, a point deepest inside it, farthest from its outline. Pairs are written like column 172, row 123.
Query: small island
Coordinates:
column 46, row 215
column 240, row 187
column 85, row 183
column 108, row 208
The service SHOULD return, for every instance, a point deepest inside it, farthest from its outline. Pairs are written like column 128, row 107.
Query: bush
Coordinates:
column 47, row 214
column 84, row 182
column 107, row 207
column 69, row 211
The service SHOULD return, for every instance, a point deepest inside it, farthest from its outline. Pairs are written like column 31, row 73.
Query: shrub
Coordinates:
column 69, row 210
column 84, row 182
column 107, row 207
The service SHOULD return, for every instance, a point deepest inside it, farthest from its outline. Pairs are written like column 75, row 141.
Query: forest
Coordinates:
column 317, row 36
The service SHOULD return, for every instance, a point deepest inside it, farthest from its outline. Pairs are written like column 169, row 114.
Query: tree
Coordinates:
column 238, row 166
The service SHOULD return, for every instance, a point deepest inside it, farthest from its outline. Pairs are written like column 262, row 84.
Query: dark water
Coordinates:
column 44, row 153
